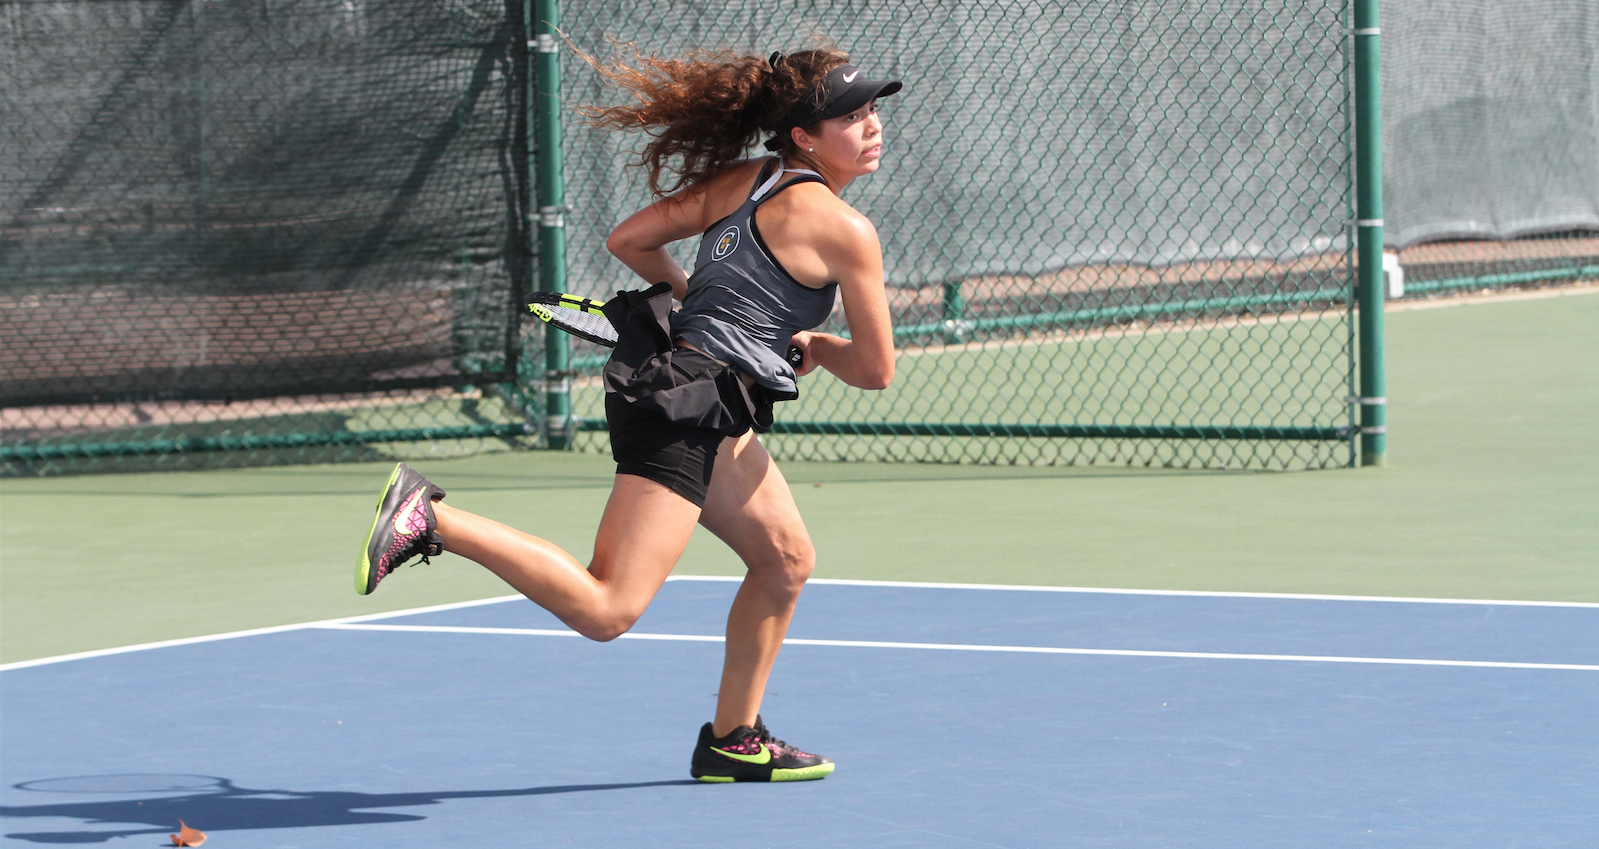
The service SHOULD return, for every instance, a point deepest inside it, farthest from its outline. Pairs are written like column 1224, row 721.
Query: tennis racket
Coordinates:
column 585, row 318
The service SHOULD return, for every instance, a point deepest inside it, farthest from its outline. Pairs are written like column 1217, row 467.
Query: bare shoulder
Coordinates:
column 833, row 221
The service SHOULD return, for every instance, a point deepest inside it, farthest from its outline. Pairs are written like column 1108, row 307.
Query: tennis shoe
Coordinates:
column 752, row 754
column 403, row 528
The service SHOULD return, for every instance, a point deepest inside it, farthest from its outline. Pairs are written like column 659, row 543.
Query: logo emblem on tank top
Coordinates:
column 725, row 244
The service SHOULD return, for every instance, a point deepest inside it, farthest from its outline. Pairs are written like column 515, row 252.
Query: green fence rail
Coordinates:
column 1492, row 281
column 256, row 442
column 1078, row 431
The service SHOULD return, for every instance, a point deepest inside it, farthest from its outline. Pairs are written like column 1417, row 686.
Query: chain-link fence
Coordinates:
column 289, row 229
column 296, row 230
column 1112, row 232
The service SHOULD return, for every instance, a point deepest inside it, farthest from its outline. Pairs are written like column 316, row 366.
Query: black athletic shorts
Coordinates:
column 668, row 407
column 644, row 443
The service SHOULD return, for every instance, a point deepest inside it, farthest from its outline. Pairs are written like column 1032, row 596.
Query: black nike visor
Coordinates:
column 844, row 90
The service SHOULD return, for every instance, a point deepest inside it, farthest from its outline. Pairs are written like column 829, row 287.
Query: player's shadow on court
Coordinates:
column 232, row 808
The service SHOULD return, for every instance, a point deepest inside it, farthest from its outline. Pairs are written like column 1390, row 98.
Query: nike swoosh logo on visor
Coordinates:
column 849, row 78
column 764, row 757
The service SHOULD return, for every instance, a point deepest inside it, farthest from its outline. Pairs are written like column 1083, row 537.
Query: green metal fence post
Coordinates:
column 202, row 135
column 552, row 222
column 1368, row 230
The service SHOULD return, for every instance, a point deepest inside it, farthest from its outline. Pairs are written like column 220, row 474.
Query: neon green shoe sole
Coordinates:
column 363, row 569
column 809, row 773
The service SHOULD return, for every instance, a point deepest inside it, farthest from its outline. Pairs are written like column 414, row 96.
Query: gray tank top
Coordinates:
column 742, row 306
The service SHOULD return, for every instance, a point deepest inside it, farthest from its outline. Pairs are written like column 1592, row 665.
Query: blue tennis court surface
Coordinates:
column 958, row 716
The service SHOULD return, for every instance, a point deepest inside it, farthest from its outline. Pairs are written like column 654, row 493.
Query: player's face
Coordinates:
column 852, row 144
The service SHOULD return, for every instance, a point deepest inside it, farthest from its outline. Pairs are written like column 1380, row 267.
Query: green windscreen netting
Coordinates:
column 1491, row 142
column 1491, row 119
column 295, row 216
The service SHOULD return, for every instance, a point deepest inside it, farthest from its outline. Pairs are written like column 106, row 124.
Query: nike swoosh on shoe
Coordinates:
column 764, row 757
column 407, row 512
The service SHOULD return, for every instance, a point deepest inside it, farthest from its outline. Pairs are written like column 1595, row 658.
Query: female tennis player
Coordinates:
column 686, row 388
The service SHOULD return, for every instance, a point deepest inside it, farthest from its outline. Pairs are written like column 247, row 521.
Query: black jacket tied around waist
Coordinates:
column 683, row 385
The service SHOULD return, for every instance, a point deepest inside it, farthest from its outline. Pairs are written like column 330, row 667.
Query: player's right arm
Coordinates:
column 640, row 241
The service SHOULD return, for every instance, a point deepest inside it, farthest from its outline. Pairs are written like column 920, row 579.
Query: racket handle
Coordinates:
column 796, row 357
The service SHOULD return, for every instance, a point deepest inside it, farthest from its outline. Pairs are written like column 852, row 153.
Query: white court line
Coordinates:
column 231, row 635
column 846, row 582
column 881, row 644
column 933, row 585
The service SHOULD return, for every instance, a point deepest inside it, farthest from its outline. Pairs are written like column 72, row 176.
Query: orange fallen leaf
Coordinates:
column 187, row 836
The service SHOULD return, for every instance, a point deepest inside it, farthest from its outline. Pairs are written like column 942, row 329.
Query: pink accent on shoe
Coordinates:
column 411, row 518
column 410, row 523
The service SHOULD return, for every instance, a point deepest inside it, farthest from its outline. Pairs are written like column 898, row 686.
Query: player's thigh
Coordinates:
column 749, row 506
column 642, row 534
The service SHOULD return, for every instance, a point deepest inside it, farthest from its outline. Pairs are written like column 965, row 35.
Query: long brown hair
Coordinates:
column 704, row 110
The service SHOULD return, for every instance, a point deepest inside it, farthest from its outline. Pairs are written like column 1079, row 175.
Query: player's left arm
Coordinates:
column 854, row 257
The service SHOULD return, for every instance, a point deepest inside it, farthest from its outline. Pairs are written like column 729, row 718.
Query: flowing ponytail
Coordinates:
column 705, row 110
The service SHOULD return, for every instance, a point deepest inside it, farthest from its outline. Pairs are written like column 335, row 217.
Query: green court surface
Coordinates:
column 1490, row 493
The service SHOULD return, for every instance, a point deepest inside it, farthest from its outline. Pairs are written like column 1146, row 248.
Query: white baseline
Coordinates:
column 844, row 582
column 884, row 644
